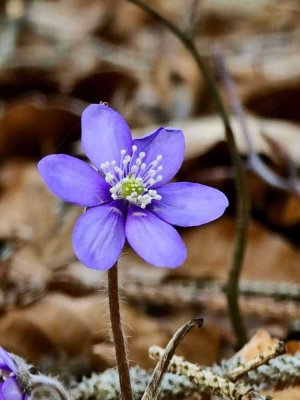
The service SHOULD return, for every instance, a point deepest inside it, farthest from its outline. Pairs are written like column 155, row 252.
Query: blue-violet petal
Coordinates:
column 167, row 142
column 104, row 134
column 154, row 240
column 99, row 237
column 6, row 361
column 189, row 204
column 11, row 390
column 74, row 180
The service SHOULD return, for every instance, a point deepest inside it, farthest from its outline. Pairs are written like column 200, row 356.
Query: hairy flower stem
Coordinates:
column 117, row 333
column 239, row 176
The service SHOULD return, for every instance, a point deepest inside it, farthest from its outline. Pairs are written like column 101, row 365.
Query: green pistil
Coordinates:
column 131, row 186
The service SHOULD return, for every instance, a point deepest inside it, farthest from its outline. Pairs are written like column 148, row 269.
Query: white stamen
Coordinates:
column 140, row 175
column 109, row 177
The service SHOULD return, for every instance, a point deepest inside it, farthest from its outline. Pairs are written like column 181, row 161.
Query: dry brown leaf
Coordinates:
column 136, row 19
column 18, row 81
column 286, row 394
column 58, row 250
column 60, row 327
column 292, row 347
column 111, row 85
column 273, row 100
column 209, row 248
column 201, row 134
column 258, row 344
column 177, row 83
column 26, row 206
column 285, row 210
column 36, row 126
column 68, row 19
column 52, row 328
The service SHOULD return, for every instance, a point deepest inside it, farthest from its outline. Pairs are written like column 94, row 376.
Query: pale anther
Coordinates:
column 132, row 179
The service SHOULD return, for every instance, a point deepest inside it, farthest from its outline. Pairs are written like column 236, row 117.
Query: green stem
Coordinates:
column 239, row 178
column 117, row 332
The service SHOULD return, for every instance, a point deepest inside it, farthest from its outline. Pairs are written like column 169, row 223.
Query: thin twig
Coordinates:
column 152, row 390
column 239, row 178
column 117, row 332
column 205, row 377
column 261, row 359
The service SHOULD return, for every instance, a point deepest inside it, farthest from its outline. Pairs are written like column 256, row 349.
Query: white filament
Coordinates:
column 133, row 168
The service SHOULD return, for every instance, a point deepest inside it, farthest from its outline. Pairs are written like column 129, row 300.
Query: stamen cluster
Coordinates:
column 133, row 178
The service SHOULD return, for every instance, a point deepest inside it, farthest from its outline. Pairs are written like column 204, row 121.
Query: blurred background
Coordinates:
column 56, row 57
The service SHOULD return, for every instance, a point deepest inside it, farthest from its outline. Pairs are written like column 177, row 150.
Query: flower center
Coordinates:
column 132, row 178
column 131, row 186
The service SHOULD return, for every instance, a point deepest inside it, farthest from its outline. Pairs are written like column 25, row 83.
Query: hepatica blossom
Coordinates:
column 9, row 387
column 126, row 192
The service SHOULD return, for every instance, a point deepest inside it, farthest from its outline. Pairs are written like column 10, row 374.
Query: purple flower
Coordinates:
column 9, row 387
column 127, row 194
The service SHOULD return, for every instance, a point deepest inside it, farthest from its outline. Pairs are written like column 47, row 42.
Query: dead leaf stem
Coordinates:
column 239, row 176
column 291, row 183
column 153, row 388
